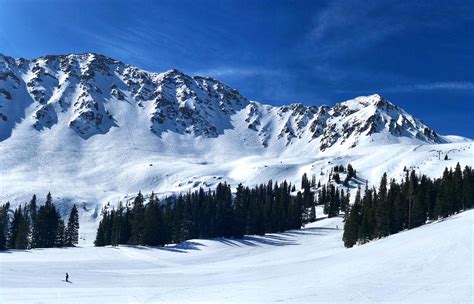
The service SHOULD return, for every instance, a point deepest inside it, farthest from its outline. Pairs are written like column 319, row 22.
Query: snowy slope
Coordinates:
column 93, row 130
column 430, row 264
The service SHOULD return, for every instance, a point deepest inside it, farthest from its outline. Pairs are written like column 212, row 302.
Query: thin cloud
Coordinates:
column 351, row 26
column 432, row 86
column 238, row 72
column 347, row 26
column 450, row 85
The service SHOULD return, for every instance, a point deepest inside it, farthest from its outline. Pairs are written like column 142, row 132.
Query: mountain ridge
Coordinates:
column 175, row 102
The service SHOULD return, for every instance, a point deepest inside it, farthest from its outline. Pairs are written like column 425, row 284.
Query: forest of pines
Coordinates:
column 208, row 214
column 33, row 227
column 277, row 207
column 399, row 206
column 266, row 208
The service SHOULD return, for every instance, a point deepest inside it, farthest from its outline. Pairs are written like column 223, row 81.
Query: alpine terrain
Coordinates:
column 95, row 131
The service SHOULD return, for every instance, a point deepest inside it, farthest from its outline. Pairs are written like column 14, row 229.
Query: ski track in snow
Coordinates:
column 430, row 264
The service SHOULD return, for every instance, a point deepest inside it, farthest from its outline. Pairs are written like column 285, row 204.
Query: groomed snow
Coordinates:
column 431, row 264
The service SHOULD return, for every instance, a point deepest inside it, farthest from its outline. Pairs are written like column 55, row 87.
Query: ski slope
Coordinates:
column 97, row 177
column 430, row 264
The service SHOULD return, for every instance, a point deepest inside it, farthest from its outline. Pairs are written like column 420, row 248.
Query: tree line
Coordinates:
column 266, row 208
column 30, row 226
column 394, row 207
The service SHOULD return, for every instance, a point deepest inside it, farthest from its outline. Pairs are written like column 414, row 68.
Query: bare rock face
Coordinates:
column 193, row 105
column 45, row 117
column 84, row 91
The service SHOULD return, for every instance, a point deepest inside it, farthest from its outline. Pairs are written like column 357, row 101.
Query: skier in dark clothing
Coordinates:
column 67, row 277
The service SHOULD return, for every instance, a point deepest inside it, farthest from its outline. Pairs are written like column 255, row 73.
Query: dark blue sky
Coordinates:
column 418, row 54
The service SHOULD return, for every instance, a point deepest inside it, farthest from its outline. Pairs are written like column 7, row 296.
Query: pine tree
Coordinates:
column 22, row 240
column 4, row 225
column 411, row 203
column 137, row 217
column 72, row 230
column 32, row 212
column 100, row 239
column 345, row 203
column 457, row 189
column 60, row 239
column 240, row 214
column 152, row 232
column 350, row 171
column 351, row 227
column 46, row 225
column 366, row 229
column 19, row 230
column 468, row 188
column 304, row 181
column 383, row 209
column 442, row 205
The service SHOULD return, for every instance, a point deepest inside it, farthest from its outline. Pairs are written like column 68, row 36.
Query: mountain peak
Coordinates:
column 173, row 71
column 374, row 100
column 86, row 92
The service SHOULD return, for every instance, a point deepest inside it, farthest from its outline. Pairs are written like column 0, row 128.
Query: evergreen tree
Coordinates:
column 47, row 225
column 100, row 239
column 22, row 239
column 240, row 214
column 383, row 209
column 60, row 239
column 153, row 225
column 350, row 171
column 409, row 204
column 468, row 188
column 345, row 203
column 32, row 212
column 72, row 230
column 4, row 225
column 351, row 227
column 366, row 229
column 14, row 227
column 137, row 220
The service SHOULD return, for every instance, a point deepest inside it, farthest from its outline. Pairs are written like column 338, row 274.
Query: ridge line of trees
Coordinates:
column 266, row 208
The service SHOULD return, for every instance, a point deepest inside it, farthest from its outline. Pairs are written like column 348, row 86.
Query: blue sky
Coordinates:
column 418, row 54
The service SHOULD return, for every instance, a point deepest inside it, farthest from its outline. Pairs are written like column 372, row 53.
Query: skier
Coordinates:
column 67, row 277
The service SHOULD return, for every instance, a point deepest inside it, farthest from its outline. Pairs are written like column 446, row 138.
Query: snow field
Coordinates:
column 430, row 264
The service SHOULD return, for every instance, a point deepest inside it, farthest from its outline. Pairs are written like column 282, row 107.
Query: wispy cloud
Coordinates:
column 348, row 26
column 448, row 85
column 431, row 86
column 237, row 72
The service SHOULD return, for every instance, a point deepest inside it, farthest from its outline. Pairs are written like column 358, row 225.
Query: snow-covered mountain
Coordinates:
column 85, row 94
column 92, row 129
